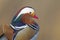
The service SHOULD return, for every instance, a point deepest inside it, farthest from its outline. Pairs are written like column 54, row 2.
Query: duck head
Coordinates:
column 27, row 14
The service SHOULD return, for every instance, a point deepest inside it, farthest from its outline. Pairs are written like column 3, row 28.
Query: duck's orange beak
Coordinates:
column 35, row 16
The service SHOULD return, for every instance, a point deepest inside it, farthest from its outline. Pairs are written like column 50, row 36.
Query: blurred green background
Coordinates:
column 47, row 10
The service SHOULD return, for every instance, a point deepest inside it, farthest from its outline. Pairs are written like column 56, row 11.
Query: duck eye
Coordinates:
column 30, row 12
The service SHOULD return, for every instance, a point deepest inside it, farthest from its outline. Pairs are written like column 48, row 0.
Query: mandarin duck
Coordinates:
column 23, row 26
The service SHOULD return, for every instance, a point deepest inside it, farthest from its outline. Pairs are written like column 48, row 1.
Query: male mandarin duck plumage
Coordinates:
column 23, row 17
column 23, row 26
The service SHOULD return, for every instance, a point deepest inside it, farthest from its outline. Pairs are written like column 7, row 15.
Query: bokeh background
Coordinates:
column 47, row 10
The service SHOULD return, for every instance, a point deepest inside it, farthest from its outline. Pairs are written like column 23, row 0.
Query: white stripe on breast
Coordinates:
column 18, row 28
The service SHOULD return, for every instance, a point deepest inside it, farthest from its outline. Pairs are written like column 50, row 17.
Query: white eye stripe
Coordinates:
column 25, row 10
